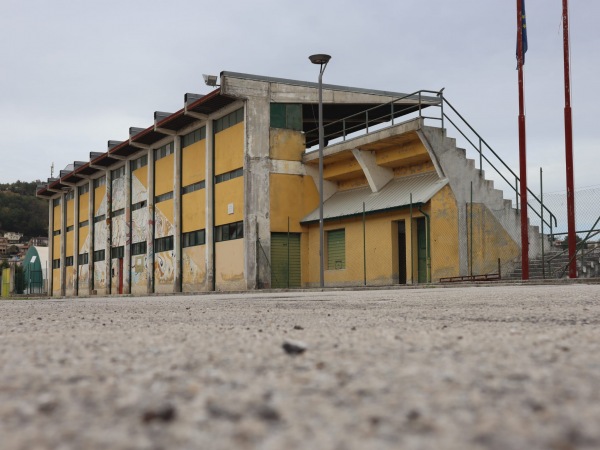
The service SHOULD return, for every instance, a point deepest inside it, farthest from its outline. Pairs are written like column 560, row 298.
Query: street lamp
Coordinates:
column 322, row 61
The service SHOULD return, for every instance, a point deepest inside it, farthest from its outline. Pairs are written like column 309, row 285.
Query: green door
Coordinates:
column 421, row 251
column 285, row 260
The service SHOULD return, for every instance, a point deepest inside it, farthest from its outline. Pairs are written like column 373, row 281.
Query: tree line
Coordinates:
column 21, row 211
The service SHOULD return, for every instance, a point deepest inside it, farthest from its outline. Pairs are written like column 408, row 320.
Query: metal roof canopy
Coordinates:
column 395, row 195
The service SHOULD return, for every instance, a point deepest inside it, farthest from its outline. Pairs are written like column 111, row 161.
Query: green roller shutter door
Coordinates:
column 285, row 260
column 336, row 249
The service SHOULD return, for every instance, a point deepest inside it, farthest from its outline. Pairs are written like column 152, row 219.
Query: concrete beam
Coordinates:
column 329, row 187
column 195, row 115
column 165, row 131
column 138, row 145
column 377, row 176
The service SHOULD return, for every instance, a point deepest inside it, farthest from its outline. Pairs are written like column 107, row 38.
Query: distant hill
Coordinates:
column 21, row 211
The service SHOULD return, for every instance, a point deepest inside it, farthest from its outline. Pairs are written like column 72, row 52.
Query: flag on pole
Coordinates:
column 523, row 31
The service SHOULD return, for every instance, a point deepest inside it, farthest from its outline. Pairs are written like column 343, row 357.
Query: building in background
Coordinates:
column 222, row 195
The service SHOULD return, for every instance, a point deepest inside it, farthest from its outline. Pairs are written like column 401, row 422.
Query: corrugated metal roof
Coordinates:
column 394, row 195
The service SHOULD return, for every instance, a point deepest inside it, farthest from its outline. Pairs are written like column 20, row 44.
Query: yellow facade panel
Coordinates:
column 142, row 175
column 193, row 212
column 229, row 265
column 69, row 243
column 163, row 175
column 229, row 149
column 193, row 163
column 166, row 208
column 99, row 197
column 292, row 196
column 70, row 212
column 56, row 281
column 229, row 196
column 57, row 218
column 84, row 207
column 288, row 145
column 56, row 247
column 83, row 235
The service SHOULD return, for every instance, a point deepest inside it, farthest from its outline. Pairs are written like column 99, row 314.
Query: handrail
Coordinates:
column 580, row 245
column 360, row 121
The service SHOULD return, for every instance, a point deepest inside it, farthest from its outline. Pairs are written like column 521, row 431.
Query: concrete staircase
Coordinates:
column 554, row 263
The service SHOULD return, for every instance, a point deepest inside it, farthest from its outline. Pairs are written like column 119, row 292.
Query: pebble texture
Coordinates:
column 507, row 367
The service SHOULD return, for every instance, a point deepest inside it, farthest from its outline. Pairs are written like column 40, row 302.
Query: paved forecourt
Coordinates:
column 506, row 367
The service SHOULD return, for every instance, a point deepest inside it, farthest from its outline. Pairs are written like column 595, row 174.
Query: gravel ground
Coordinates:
column 505, row 367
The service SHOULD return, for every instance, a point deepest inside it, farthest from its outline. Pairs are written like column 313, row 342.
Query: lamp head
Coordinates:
column 319, row 59
column 210, row 80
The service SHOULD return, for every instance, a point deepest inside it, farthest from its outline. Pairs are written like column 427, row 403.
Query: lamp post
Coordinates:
column 322, row 61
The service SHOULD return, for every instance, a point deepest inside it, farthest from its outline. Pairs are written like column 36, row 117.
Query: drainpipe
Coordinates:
column 427, row 241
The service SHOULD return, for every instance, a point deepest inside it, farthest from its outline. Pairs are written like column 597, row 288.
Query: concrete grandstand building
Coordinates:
column 223, row 195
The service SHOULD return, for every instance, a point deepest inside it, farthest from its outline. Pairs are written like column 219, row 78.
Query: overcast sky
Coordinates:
column 75, row 74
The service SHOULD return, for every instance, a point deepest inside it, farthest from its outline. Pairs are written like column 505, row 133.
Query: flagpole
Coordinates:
column 522, row 147
column 569, row 147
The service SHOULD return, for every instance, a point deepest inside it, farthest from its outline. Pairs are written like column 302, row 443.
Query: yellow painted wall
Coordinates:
column 229, row 265
column 69, row 243
column 56, row 247
column 490, row 242
column 292, row 196
column 57, row 218
column 166, row 208
column 70, row 280
column 83, row 235
column 381, row 250
column 84, row 207
column 444, row 235
column 229, row 149
column 231, row 191
column 99, row 194
column 286, row 145
column 56, row 281
column 403, row 154
column 70, row 212
column 163, row 175
column 142, row 175
column 414, row 169
column 193, row 163
column 164, row 272
column 194, row 268
column 193, row 211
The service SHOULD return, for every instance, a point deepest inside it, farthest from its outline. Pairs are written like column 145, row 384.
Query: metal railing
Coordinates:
column 387, row 113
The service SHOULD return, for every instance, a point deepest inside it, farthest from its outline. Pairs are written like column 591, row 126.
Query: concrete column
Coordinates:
column 257, row 225
column 49, row 270
column 92, row 226
column 63, row 243
column 127, row 258
column 76, row 239
column 210, row 207
column 150, row 229
column 177, row 213
column 107, row 256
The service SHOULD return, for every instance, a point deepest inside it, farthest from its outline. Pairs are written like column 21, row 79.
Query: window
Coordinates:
column 118, row 173
column 288, row 116
column 99, row 255
column 56, row 202
column 83, row 259
column 68, row 261
column 229, row 120
column 229, row 175
column 118, row 212
column 229, row 232
column 163, row 151
column 117, row 252
column 163, row 197
column 56, row 263
column 192, row 187
column 70, row 228
column 99, row 182
column 139, row 163
column 163, row 244
column 194, row 136
column 70, row 195
column 85, row 223
column 138, row 205
column 56, row 233
column 336, row 249
column 99, row 218
column 84, row 188
column 193, row 238
column 139, row 248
